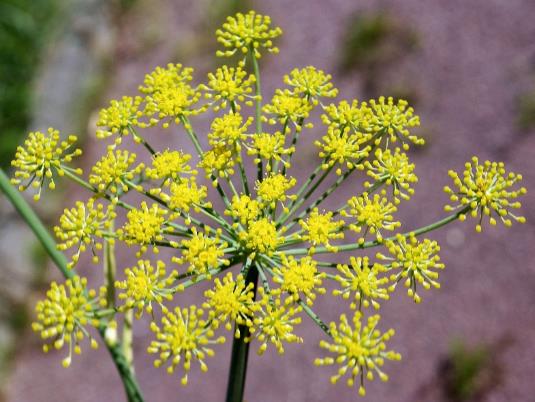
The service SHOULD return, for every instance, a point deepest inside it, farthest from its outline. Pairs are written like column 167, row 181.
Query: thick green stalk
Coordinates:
column 127, row 377
column 240, row 353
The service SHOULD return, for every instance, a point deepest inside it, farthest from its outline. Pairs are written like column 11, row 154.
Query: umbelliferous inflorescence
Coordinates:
column 269, row 223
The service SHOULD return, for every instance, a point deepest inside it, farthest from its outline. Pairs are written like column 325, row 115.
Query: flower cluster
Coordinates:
column 268, row 249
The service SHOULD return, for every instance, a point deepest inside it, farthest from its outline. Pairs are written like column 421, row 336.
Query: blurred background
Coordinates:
column 468, row 68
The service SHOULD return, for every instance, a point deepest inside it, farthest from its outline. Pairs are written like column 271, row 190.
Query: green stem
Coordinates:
column 258, row 107
column 240, row 353
column 374, row 243
column 127, row 377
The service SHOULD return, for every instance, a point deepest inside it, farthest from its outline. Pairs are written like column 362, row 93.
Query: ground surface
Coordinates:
column 474, row 58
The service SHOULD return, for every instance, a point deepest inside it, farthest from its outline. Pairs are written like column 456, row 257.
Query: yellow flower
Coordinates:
column 81, row 226
column 395, row 170
column 343, row 147
column 63, row 316
column 487, row 190
column 285, row 106
column 111, row 171
column 320, row 229
column 249, row 32
column 228, row 131
column 244, row 209
column 346, row 115
column 274, row 323
column 184, row 335
column 144, row 226
column 41, row 155
column 218, row 161
column 272, row 189
column 361, row 282
column 145, row 284
column 373, row 214
column 416, row 261
column 359, row 349
column 269, row 147
column 299, row 277
column 169, row 166
column 119, row 117
column 230, row 85
column 311, row 82
column 395, row 119
column 261, row 236
column 187, row 194
column 169, row 94
column 230, row 301
column 202, row 253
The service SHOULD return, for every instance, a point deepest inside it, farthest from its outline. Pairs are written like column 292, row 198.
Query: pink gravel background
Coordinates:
column 473, row 60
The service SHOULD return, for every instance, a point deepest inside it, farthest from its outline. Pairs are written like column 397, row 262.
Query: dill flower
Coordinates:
column 486, row 190
column 320, row 229
column 218, row 161
column 359, row 349
column 247, row 32
column 343, row 147
column 372, row 214
column 285, row 106
column 230, row 85
column 144, row 226
column 299, row 277
column 273, row 188
column 81, row 227
column 274, row 323
column 202, row 252
column 261, row 236
column 145, row 284
column 186, row 194
column 346, row 115
column 311, row 82
column 244, row 209
column 169, row 166
column 361, row 282
column 113, row 170
column 171, row 76
column 417, row 262
column 269, row 147
column 184, row 335
column 393, row 169
column 41, row 155
column 64, row 315
column 228, row 130
column 230, row 301
column 395, row 118
column 119, row 117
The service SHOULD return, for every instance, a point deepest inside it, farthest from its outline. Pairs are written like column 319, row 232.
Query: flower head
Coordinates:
column 486, row 190
column 372, row 214
column 311, row 82
column 320, row 229
column 63, row 316
column 394, row 169
column 359, row 349
column 230, row 85
column 41, row 155
column 114, row 170
column 184, row 336
column 145, row 284
column 361, row 282
column 230, row 301
column 144, row 227
column 416, row 261
column 119, row 117
column 218, row 161
column 344, row 115
column 169, row 166
column 82, row 226
column 343, row 147
column 187, row 194
column 203, row 253
column 247, row 32
column 228, row 130
column 395, row 119
column 272, row 189
column 300, row 278
column 285, row 106
column 244, row 209
column 269, row 147
column 274, row 323
column 261, row 236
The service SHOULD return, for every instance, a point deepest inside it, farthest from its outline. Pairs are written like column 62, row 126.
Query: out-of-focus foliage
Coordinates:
column 24, row 29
